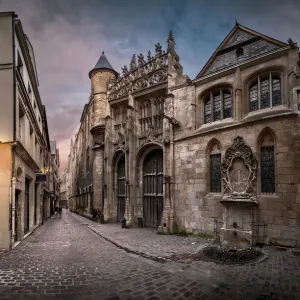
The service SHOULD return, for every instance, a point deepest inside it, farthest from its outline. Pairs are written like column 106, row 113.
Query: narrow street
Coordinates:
column 64, row 259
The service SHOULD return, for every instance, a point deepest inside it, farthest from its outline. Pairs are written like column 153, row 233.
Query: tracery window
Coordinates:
column 151, row 113
column 215, row 169
column 265, row 92
column 267, row 164
column 217, row 105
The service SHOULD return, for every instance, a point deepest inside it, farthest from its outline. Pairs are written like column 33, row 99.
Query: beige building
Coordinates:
column 21, row 135
column 219, row 154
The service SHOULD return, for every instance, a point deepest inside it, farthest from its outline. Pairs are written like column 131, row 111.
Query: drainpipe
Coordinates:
column 13, row 179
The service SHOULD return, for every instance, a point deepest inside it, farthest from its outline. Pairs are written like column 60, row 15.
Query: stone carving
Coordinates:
column 141, row 60
column 239, row 172
column 158, row 49
column 124, row 70
column 133, row 63
column 166, row 131
column 149, row 56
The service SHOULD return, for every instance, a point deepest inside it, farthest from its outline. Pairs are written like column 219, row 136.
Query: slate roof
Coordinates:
column 103, row 63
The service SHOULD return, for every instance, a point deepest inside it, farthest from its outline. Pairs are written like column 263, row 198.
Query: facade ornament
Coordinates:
column 239, row 170
column 171, row 41
column 149, row 56
column 133, row 63
column 172, row 120
column 124, row 70
column 141, row 60
column 158, row 49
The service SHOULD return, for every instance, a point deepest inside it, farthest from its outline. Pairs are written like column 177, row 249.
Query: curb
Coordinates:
column 127, row 249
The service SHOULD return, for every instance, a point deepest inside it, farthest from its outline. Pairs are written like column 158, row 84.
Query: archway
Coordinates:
column 153, row 188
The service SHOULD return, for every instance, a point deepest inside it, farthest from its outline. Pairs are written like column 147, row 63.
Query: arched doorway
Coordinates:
column 121, row 189
column 153, row 188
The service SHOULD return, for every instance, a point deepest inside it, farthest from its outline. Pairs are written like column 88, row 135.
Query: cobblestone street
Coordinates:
column 64, row 259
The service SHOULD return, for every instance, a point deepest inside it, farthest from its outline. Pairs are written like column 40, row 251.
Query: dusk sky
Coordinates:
column 69, row 36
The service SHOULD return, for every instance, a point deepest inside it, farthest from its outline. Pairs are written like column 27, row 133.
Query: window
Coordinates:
column 267, row 162
column 151, row 113
column 265, row 92
column 267, row 166
column 215, row 173
column 87, row 160
column 217, row 106
column 239, row 52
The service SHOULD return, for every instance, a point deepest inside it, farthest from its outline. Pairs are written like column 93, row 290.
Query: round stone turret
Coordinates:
column 101, row 74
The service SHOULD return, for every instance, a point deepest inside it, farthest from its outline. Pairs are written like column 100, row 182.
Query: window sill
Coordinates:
column 267, row 113
column 215, row 124
column 269, row 196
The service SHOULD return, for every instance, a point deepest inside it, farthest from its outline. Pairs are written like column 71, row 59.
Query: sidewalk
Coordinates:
column 145, row 241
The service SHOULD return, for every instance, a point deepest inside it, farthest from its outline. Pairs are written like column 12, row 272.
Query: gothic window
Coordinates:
column 265, row 92
column 267, row 169
column 267, row 164
column 217, row 105
column 215, row 168
column 215, row 173
column 151, row 113
column 207, row 110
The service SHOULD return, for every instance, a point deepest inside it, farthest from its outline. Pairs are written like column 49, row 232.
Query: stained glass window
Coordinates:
column 217, row 107
column 267, row 165
column 276, row 91
column 264, row 93
column 215, row 173
column 207, row 111
column 227, row 104
column 253, row 98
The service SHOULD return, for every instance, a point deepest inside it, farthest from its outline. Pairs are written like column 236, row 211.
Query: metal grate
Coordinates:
column 267, row 169
column 215, row 173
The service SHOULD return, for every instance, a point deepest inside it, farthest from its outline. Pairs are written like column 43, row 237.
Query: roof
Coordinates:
column 102, row 64
column 233, row 39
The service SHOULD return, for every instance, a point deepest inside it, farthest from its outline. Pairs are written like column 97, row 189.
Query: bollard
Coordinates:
column 123, row 222
column 140, row 222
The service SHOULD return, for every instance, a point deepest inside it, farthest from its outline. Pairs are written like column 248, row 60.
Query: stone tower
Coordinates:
column 100, row 77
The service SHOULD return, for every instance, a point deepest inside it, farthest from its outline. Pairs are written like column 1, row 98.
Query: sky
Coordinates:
column 69, row 36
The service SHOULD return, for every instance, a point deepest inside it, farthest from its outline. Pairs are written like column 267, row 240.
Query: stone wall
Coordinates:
column 196, row 207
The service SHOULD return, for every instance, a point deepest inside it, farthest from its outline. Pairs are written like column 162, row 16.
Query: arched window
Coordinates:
column 265, row 92
column 267, row 163
column 215, row 169
column 207, row 110
column 217, row 105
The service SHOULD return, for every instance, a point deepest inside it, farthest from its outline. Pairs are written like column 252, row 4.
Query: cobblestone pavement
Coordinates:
column 64, row 259
column 137, row 239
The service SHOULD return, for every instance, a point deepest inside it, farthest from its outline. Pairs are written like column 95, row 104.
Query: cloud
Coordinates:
column 68, row 38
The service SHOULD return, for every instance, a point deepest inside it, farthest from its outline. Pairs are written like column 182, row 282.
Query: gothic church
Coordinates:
column 218, row 154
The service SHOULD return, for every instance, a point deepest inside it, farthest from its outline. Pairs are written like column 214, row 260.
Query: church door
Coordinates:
column 153, row 188
column 121, row 189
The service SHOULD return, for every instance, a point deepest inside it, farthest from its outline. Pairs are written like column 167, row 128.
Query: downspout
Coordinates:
column 13, row 179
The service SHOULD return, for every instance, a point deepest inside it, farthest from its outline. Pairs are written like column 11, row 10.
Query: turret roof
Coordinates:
column 103, row 63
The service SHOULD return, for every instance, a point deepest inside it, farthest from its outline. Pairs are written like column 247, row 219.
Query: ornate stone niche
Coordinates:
column 239, row 170
column 239, row 173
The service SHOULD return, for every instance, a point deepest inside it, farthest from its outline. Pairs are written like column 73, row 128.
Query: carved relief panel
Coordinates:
column 239, row 171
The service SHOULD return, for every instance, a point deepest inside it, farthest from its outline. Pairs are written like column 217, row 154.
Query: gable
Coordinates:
column 241, row 44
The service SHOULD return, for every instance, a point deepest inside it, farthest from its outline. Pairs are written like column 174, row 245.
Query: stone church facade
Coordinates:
column 219, row 154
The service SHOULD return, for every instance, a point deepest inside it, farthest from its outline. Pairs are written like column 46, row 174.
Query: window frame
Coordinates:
column 256, row 80
column 210, row 98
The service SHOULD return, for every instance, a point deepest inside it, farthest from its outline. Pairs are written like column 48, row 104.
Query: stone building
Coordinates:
column 64, row 192
column 54, row 176
column 219, row 154
column 22, row 135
